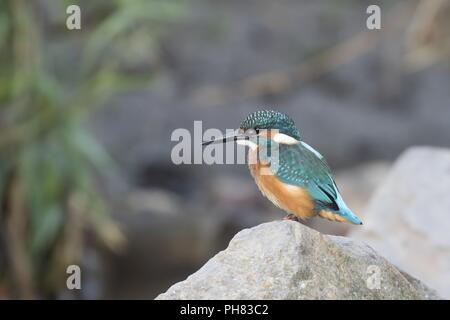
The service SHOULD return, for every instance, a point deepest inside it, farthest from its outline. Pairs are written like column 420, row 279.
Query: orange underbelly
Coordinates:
column 292, row 199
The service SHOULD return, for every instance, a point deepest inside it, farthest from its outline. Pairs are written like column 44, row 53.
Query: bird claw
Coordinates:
column 291, row 217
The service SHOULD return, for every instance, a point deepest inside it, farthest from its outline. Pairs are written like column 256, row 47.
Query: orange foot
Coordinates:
column 291, row 217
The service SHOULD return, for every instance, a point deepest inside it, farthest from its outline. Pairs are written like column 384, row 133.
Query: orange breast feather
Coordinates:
column 292, row 199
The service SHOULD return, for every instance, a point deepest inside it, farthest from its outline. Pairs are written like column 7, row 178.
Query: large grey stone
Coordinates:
column 408, row 218
column 287, row 260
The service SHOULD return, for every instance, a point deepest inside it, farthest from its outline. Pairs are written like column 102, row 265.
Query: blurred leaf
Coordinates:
column 46, row 230
column 4, row 28
column 5, row 171
column 91, row 151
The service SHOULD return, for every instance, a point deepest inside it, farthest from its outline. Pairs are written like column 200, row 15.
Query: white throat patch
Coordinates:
column 248, row 143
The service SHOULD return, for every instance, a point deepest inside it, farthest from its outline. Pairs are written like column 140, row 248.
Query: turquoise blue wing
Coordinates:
column 302, row 166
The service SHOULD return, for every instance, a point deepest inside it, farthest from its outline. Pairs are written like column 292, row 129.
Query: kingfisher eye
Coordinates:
column 257, row 130
column 251, row 131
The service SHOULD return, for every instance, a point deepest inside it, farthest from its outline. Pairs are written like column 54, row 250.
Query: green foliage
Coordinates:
column 45, row 148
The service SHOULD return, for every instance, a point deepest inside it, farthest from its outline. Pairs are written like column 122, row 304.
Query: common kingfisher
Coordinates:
column 302, row 184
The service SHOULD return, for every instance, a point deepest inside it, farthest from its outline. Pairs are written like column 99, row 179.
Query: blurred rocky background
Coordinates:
column 86, row 118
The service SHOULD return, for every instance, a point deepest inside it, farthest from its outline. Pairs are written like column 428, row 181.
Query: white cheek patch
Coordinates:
column 248, row 143
column 284, row 139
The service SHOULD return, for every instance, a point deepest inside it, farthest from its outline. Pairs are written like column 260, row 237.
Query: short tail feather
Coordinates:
column 346, row 213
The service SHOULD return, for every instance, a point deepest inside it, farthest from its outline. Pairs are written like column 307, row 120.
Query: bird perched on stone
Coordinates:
column 301, row 182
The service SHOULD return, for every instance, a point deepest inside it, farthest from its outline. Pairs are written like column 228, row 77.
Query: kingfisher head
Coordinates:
column 263, row 123
column 270, row 120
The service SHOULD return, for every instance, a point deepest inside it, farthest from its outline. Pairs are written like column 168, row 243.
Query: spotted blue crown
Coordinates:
column 269, row 119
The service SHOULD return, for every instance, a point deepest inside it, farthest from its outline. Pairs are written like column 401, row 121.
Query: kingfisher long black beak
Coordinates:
column 234, row 136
